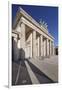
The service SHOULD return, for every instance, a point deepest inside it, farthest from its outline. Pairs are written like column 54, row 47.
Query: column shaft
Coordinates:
column 34, row 44
column 22, row 41
column 38, row 46
column 47, row 47
column 41, row 41
column 53, row 48
column 23, row 36
column 50, row 47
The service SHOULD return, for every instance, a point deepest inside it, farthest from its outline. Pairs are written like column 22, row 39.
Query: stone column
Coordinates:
column 38, row 46
column 53, row 48
column 14, row 48
column 31, row 45
column 47, row 47
column 50, row 48
column 34, row 44
column 22, row 41
column 41, row 42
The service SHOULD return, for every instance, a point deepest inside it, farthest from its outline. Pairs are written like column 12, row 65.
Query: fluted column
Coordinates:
column 34, row 44
column 47, row 47
column 53, row 48
column 50, row 48
column 41, row 41
column 23, row 36
column 22, row 41
column 38, row 46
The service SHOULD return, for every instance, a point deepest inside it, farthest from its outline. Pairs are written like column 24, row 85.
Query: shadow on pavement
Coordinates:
column 43, row 79
column 23, row 78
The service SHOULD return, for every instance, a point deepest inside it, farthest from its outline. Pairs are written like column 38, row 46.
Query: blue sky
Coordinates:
column 46, row 13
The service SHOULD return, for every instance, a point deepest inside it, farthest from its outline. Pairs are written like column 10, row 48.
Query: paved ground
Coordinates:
column 20, row 76
column 41, row 77
column 35, row 71
column 49, row 66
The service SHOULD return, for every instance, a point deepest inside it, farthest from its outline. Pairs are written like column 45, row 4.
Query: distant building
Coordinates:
column 29, row 39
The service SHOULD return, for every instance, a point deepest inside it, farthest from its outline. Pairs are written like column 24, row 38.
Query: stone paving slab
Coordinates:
column 49, row 66
column 31, row 74
column 20, row 75
column 43, row 79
